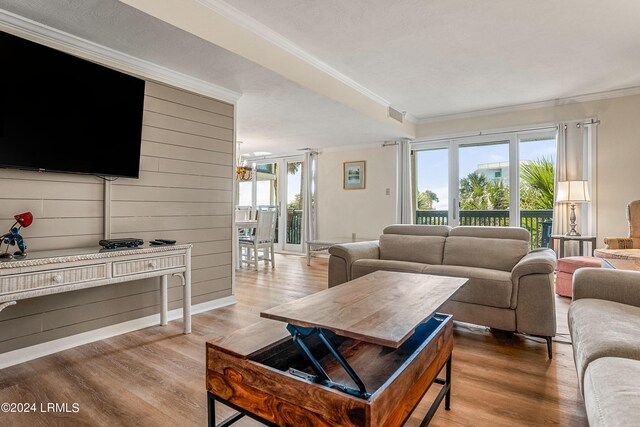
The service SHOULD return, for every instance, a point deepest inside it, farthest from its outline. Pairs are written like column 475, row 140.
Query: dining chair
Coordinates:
column 243, row 213
column 263, row 239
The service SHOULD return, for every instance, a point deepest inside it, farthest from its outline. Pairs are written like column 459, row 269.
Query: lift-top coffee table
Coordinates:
column 360, row 354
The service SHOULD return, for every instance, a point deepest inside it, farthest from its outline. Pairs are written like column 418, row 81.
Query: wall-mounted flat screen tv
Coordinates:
column 65, row 114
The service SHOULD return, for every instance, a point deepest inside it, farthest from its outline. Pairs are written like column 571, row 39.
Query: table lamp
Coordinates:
column 573, row 192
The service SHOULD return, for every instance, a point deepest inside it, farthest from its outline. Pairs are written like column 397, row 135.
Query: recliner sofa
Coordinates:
column 604, row 321
column 510, row 287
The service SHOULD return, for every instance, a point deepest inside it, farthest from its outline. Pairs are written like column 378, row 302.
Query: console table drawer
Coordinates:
column 125, row 268
column 44, row 279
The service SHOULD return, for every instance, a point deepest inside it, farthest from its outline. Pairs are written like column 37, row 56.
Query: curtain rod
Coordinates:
column 481, row 133
column 275, row 156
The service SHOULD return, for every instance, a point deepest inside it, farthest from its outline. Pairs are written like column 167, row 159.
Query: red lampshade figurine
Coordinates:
column 13, row 237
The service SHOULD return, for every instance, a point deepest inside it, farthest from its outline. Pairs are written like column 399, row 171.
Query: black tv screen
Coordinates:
column 65, row 114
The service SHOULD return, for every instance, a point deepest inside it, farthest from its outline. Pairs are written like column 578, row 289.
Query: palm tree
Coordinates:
column 537, row 178
column 472, row 192
column 477, row 192
column 425, row 200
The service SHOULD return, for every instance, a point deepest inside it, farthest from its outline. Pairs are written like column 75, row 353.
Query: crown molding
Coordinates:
column 353, row 147
column 597, row 96
column 86, row 49
column 248, row 23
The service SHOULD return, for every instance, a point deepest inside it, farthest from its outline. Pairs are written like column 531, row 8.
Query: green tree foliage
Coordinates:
column 479, row 193
column 297, row 203
column 536, row 179
column 426, row 199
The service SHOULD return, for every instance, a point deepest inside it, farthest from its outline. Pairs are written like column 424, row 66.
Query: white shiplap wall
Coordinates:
column 184, row 193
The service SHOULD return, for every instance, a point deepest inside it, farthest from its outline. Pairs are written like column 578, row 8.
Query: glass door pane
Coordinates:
column 537, row 174
column 431, row 198
column 484, row 183
column 295, row 206
column 245, row 189
column 267, row 194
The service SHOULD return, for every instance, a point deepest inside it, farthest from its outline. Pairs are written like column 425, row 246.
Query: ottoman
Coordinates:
column 567, row 266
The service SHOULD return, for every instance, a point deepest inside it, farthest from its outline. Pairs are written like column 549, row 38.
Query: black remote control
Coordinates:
column 166, row 241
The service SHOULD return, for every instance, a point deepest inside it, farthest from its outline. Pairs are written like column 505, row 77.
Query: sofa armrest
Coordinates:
column 533, row 297
column 344, row 255
column 538, row 261
column 607, row 284
column 618, row 243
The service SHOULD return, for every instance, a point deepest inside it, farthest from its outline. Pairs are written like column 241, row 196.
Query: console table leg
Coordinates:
column 186, row 298
column 163, row 300
column 6, row 304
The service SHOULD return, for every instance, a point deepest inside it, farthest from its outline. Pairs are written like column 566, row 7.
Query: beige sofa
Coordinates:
column 509, row 287
column 604, row 322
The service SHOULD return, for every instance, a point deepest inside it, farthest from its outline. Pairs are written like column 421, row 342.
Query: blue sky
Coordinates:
column 432, row 165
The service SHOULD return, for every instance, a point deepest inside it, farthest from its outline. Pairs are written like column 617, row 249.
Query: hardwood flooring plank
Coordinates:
column 155, row 376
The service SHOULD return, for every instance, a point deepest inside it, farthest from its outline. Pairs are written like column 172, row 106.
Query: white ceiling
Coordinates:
column 435, row 57
column 426, row 57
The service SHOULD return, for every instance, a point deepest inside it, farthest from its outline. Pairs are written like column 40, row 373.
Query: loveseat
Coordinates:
column 510, row 287
column 604, row 322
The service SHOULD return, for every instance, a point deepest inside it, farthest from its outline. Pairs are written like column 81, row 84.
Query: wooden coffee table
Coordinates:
column 360, row 354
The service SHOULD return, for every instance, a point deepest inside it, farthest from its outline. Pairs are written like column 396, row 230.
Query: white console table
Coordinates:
column 52, row 272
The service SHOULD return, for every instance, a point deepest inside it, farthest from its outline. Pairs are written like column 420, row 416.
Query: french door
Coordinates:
column 493, row 180
column 278, row 184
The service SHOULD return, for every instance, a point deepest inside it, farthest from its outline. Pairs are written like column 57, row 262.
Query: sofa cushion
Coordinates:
column 363, row 267
column 485, row 287
column 417, row 230
column 601, row 328
column 612, row 393
column 511, row 233
column 491, row 253
column 424, row 249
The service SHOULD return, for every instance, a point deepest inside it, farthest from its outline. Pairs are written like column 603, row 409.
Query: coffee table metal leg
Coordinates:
column 447, row 397
column 445, row 393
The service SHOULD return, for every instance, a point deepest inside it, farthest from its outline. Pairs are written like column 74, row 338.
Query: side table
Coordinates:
column 582, row 239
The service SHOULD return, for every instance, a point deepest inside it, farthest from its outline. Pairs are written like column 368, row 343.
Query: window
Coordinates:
column 486, row 181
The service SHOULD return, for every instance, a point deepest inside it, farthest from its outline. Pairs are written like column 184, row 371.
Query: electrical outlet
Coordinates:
column 388, row 192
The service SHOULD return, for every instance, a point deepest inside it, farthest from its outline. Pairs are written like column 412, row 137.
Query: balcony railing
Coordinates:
column 294, row 226
column 532, row 220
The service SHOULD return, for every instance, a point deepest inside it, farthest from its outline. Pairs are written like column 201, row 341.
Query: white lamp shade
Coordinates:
column 573, row 192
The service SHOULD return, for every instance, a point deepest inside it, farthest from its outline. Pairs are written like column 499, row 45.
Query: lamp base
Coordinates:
column 572, row 222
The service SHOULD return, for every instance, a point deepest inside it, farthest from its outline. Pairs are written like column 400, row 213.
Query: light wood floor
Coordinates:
column 155, row 376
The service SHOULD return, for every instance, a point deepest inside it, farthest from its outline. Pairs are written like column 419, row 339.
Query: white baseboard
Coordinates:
column 21, row 355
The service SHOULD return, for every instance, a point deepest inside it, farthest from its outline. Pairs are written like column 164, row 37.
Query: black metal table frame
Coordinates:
column 299, row 334
column 582, row 240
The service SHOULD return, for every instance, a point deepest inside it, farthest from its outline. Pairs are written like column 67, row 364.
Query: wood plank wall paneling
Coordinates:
column 184, row 193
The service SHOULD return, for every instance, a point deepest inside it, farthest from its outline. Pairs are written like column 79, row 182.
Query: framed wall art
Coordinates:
column 353, row 175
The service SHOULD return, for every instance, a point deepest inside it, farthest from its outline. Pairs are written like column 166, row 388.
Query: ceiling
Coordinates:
column 429, row 58
column 438, row 57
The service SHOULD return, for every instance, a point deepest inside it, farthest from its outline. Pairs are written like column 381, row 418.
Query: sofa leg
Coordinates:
column 549, row 341
column 549, row 347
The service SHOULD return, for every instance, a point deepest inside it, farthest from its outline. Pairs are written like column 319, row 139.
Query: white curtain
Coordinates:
column 560, row 210
column 404, row 211
column 572, row 163
column 309, row 200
